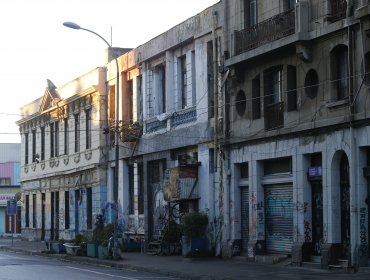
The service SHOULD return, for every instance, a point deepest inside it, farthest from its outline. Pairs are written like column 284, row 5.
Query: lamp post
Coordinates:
column 116, row 255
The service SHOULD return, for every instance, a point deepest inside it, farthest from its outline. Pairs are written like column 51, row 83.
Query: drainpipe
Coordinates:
column 215, row 116
column 353, row 191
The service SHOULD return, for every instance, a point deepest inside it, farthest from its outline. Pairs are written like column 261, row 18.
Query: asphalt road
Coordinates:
column 21, row 267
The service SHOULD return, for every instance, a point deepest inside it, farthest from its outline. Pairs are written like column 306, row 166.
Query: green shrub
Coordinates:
column 194, row 225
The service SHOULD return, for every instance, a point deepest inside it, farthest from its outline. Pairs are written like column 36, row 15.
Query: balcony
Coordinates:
column 269, row 30
column 274, row 116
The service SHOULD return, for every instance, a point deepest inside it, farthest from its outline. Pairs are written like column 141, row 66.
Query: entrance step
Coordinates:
column 271, row 259
column 316, row 265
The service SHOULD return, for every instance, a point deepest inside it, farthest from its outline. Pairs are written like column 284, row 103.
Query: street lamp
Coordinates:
column 116, row 139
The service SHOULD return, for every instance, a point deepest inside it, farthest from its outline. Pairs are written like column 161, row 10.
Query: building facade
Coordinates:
column 63, row 159
column 168, row 91
column 9, row 187
column 296, row 136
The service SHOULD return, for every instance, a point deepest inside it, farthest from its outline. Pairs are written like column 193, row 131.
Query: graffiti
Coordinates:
column 317, row 247
column 279, row 207
column 301, row 207
column 325, row 235
column 61, row 216
column 317, row 197
column 307, row 231
column 363, row 232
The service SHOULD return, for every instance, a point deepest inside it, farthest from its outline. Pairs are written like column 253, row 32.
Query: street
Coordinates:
column 18, row 267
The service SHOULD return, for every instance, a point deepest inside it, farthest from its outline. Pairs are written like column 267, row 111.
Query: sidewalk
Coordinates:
column 177, row 266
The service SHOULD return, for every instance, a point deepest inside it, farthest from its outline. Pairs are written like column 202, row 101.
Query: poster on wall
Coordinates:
column 7, row 193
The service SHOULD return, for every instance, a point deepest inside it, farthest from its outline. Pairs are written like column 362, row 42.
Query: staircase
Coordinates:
column 342, row 264
column 155, row 244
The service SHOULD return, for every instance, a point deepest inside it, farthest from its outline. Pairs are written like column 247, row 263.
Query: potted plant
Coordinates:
column 194, row 240
column 103, row 241
column 77, row 246
column 93, row 243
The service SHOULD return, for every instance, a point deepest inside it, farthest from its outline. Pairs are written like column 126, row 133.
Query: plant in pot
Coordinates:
column 104, row 237
column 194, row 240
column 93, row 243
column 172, row 238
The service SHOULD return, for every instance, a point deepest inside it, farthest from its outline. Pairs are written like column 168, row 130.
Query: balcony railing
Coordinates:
column 155, row 125
column 338, row 10
column 274, row 116
column 184, row 116
column 264, row 32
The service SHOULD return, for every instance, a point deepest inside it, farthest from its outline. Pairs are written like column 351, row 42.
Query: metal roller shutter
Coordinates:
column 279, row 218
column 245, row 219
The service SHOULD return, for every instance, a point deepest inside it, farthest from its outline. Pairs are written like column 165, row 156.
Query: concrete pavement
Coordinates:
column 178, row 266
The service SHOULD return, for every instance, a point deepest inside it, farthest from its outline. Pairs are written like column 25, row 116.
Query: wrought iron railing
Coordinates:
column 338, row 10
column 264, row 32
column 274, row 115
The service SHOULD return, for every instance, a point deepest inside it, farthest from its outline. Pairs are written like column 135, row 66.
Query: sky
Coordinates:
column 35, row 46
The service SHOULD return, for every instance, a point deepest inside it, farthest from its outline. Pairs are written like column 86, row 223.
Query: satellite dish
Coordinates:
column 18, row 196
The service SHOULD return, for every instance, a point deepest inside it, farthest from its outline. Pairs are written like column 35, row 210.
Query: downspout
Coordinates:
column 215, row 115
column 227, row 187
column 353, row 193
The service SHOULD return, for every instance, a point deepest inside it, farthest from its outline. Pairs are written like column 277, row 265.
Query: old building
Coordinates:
column 63, row 158
column 296, row 130
column 9, row 187
column 168, row 91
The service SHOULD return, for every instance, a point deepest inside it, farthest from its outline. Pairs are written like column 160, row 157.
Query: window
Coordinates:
column 160, row 89
column 273, row 100
column 54, row 139
column 183, row 81
column 66, row 209
column 291, row 88
column 27, row 214
column 43, row 143
column 88, row 128
column 5, row 181
column 210, row 85
column 130, row 93
column 26, row 148
column 366, row 69
column 66, row 136
column 289, row 4
column 139, row 87
column 33, row 145
column 273, row 85
column 240, row 103
column 77, row 133
column 244, row 171
column 256, row 98
column 131, row 189
column 34, row 214
column 339, row 72
column 89, row 208
column 141, row 189
column 250, row 13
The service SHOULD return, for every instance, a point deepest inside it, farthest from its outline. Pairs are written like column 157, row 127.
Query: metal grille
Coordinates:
column 279, row 218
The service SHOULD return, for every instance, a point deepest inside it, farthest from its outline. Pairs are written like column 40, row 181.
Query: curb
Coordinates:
column 108, row 263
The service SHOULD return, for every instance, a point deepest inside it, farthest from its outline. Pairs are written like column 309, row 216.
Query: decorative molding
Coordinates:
column 26, row 169
column 42, row 165
column 33, row 166
column 56, row 162
column 88, row 155
column 66, row 160
column 51, row 163
column 77, row 158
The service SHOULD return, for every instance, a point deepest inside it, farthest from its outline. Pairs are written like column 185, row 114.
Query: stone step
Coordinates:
column 312, row 265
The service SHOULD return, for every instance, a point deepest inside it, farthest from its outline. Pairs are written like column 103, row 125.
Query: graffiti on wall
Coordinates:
column 363, row 232
column 307, row 231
